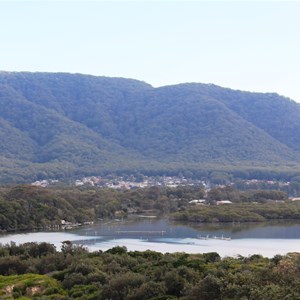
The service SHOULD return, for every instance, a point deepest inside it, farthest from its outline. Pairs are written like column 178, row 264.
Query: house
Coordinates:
column 197, row 201
column 295, row 199
column 221, row 202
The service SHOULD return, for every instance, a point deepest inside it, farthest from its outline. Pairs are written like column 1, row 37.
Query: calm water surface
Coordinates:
column 161, row 235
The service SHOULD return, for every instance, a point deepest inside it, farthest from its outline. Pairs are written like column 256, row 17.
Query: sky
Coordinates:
column 245, row 45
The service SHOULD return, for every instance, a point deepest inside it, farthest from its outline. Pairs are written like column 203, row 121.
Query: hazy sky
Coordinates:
column 247, row 45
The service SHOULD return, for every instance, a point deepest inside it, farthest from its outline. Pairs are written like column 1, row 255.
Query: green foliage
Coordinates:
column 29, row 286
column 63, row 125
column 152, row 275
column 26, row 207
column 241, row 212
column 234, row 195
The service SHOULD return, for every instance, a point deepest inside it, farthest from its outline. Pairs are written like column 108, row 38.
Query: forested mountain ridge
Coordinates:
column 61, row 125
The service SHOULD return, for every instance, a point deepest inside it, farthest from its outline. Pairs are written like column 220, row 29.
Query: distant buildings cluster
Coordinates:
column 131, row 182
column 45, row 183
column 269, row 182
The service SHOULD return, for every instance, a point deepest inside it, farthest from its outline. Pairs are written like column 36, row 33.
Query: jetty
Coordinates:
column 214, row 237
column 162, row 232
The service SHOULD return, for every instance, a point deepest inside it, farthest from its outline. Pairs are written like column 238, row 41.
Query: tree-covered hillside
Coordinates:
column 62, row 125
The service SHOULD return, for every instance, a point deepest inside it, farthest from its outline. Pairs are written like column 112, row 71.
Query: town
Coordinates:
column 142, row 181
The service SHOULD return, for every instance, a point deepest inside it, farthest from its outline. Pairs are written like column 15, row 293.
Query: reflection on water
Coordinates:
column 161, row 235
column 148, row 229
column 282, row 229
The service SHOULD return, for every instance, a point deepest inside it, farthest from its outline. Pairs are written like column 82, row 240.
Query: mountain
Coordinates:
column 61, row 125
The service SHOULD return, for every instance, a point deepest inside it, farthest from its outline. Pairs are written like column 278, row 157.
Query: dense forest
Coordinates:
column 39, row 271
column 25, row 207
column 57, row 125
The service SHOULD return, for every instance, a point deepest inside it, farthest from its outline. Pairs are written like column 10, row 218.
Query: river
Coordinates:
column 267, row 239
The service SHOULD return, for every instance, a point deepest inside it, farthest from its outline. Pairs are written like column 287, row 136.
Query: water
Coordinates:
column 267, row 239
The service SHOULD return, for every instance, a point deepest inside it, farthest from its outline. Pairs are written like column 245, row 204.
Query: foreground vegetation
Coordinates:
column 25, row 207
column 38, row 271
